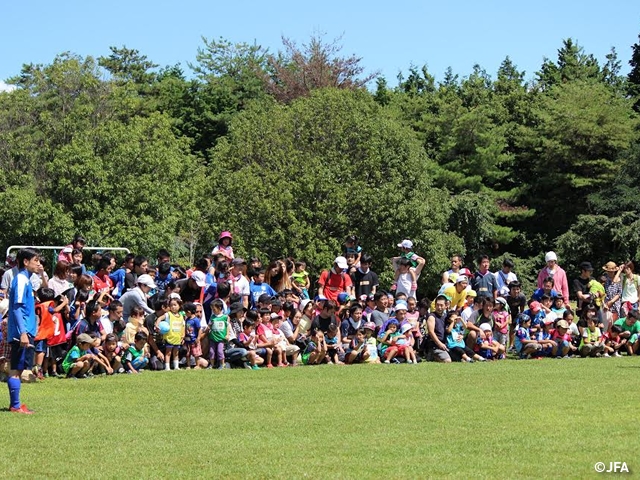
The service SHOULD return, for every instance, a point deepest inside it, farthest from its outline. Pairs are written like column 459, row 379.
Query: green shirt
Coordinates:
column 72, row 357
column 634, row 328
column 218, row 328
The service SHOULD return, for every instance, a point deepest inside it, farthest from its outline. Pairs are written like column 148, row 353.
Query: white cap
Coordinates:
column 200, row 278
column 303, row 304
column 341, row 262
column 550, row 256
column 461, row 279
column 146, row 280
column 406, row 243
column 485, row 326
column 405, row 328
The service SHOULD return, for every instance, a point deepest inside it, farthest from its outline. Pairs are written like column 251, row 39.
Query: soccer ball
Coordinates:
column 164, row 328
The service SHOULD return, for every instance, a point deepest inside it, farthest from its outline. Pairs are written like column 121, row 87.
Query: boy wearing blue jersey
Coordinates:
column 22, row 325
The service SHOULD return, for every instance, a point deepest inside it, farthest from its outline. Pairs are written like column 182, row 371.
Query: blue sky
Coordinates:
column 389, row 36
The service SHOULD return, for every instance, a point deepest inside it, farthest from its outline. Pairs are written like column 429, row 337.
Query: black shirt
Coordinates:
column 323, row 324
column 581, row 285
column 364, row 282
column 188, row 294
column 517, row 305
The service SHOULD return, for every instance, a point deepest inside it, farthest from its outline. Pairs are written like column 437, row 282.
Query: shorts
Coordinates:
column 41, row 346
column 195, row 349
column 169, row 345
column 501, row 338
column 435, row 354
column 262, row 352
column 56, row 352
column 21, row 357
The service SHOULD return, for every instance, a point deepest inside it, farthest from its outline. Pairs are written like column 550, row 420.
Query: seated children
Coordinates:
column 334, row 347
column 488, row 347
column 112, row 354
column 525, row 346
column 458, row 350
column 563, row 339
column 135, row 358
column 545, row 338
column 372, row 344
column 613, row 342
column 591, row 346
column 357, row 352
column 78, row 362
column 316, row 350
column 248, row 340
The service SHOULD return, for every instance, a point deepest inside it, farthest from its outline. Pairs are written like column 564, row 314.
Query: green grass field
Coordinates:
column 509, row 419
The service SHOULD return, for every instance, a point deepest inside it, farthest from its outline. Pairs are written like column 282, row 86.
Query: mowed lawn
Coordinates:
column 509, row 419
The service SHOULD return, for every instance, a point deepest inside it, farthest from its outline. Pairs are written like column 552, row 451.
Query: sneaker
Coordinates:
column 606, row 355
column 469, row 360
column 166, row 367
column 409, row 361
column 616, row 354
column 598, row 355
column 482, row 359
column 23, row 409
column 246, row 365
column 387, row 361
column 255, row 367
column 121, row 370
column 396, row 361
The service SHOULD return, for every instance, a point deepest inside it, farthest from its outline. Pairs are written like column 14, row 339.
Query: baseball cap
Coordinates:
column 586, row 266
column 501, row 300
column 84, row 338
column 465, row 271
column 146, row 280
column 485, row 326
column 238, row 261
column 472, row 293
column 199, row 277
column 405, row 327
column 563, row 324
column 275, row 316
column 535, row 307
column 320, row 298
column 406, row 243
column 461, row 279
column 341, row 262
column 370, row 326
column 303, row 304
column 551, row 256
column 401, row 305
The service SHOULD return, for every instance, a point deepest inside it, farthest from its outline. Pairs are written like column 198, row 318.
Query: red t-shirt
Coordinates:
column 334, row 284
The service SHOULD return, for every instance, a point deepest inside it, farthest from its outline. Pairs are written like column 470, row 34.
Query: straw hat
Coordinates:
column 610, row 267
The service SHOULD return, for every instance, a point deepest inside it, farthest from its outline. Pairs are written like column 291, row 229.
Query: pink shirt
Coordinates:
column 560, row 282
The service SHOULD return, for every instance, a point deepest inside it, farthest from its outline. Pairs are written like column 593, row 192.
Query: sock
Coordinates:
column 175, row 365
column 14, row 391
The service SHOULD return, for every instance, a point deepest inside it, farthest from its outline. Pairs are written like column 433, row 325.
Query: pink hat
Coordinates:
column 225, row 234
column 535, row 307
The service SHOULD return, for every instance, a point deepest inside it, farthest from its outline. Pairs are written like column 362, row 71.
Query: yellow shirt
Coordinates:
column 176, row 328
column 457, row 299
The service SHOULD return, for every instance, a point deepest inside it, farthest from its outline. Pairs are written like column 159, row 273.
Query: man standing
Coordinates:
column 484, row 282
column 334, row 281
column 22, row 325
column 365, row 280
column 581, row 286
column 417, row 262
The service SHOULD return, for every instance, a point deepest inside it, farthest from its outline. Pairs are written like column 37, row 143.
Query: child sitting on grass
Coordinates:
column 372, row 344
column 316, row 350
column 112, row 354
column 334, row 348
column 78, row 361
column 358, row 352
column 488, row 347
column 563, row 340
column 458, row 350
column 525, row 345
column 591, row 346
column 135, row 358
column 613, row 342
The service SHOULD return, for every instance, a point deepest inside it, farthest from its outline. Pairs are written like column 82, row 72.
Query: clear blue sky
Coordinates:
column 389, row 36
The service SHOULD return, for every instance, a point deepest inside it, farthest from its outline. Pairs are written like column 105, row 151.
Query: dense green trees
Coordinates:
column 292, row 152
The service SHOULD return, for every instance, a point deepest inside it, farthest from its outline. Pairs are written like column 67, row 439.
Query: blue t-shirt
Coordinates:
column 117, row 278
column 192, row 327
column 22, row 307
column 522, row 333
column 458, row 329
column 537, row 295
column 257, row 289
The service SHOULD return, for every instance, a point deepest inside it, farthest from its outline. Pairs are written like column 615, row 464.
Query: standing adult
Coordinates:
column 21, row 325
column 334, row 281
column 436, row 347
column 581, row 286
column 140, row 264
column 484, row 282
column 137, row 296
column 365, row 280
column 406, row 249
column 630, row 288
column 450, row 275
column 613, row 289
column 553, row 270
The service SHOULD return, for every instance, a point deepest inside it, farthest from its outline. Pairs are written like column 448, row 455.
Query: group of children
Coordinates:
column 226, row 327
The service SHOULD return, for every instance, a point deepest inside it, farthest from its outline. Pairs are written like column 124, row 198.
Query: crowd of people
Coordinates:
column 113, row 317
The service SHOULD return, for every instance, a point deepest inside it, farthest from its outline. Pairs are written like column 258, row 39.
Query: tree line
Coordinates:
column 295, row 150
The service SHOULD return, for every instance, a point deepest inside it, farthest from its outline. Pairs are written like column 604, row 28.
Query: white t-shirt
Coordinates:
column 240, row 285
column 405, row 281
column 504, row 280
